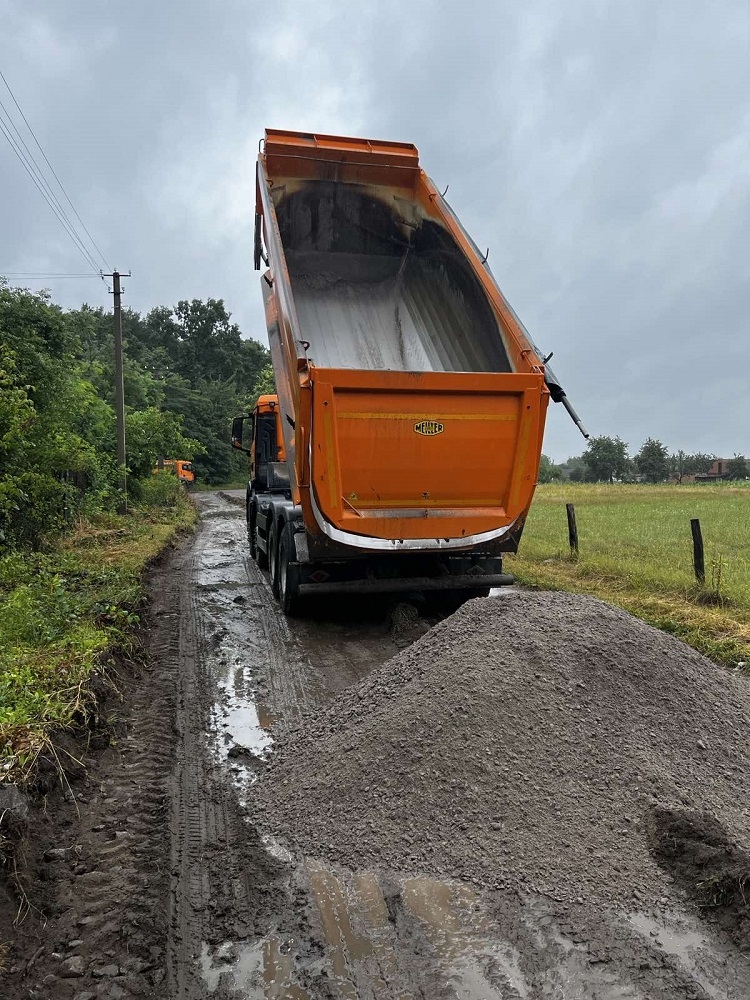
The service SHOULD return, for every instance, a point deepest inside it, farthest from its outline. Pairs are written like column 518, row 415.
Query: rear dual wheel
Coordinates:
column 289, row 575
column 283, row 568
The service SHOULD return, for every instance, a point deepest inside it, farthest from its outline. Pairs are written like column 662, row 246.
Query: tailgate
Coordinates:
column 427, row 455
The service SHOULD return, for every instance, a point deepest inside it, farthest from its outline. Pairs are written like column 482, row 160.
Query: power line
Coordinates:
column 33, row 168
column 35, row 171
column 59, row 214
column 29, row 157
column 54, row 174
column 39, row 181
column 46, row 274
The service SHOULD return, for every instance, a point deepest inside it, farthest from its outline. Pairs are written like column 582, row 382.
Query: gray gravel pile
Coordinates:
column 523, row 742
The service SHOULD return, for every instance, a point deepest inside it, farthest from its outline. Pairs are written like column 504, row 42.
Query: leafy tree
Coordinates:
column 574, row 469
column 17, row 414
column 682, row 465
column 701, row 462
column 208, row 410
column 548, row 471
column 36, row 333
column 607, row 459
column 265, row 384
column 192, row 361
column 737, row 467
column 151, row 433
column 652, row 461
column 210, row 348
column 678, row 465
column 16, row 409
column 51, row 421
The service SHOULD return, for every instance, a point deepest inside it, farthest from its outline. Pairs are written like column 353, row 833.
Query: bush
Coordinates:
column 162, row 489
column 32, row 505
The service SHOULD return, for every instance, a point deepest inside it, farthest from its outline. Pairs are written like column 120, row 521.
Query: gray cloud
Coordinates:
column 600, row 150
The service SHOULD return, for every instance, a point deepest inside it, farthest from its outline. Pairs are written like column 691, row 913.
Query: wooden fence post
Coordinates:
column 698, row 561
column 572, row 528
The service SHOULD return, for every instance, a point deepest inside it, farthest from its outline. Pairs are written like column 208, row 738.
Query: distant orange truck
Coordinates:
column 402, row 449
column 182, row 469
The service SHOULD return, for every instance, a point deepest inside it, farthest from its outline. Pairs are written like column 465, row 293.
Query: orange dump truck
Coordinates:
column 180, row 468
column 402, row 449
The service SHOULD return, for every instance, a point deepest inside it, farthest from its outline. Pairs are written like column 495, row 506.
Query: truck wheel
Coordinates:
column 288, row 574
column 273, row 559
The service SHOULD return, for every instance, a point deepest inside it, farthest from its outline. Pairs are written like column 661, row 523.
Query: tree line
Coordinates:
column 188, row 370
column 607, row 460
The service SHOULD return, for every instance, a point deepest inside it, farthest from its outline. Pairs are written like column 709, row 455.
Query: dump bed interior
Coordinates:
column 373, row 292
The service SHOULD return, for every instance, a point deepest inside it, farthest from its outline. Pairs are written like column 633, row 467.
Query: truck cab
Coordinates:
column 259, row 435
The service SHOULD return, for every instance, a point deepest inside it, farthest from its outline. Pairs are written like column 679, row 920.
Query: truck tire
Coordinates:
column 273, row 558
column 288, row 574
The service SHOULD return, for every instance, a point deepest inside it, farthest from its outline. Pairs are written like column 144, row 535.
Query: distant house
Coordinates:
column 719, row 470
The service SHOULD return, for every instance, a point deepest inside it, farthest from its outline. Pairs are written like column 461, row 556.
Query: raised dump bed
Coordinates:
column 411, row 402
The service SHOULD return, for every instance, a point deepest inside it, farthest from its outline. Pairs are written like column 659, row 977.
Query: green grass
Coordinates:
column 232, row 484
column 635, row 550
column 61, row 612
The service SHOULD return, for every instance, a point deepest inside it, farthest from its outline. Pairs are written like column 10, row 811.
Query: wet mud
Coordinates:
column 164, row 881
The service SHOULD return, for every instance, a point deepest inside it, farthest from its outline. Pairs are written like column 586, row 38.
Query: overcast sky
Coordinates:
column 600, row 149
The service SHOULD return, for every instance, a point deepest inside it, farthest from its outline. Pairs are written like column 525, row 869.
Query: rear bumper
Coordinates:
column 407, row 584
column 370, row 543
column 398, row 574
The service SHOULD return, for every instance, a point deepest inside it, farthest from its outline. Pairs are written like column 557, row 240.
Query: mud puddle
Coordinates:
column 240, row 719
column 371, row 925
column 262, row 969
column 689, row 945
column 384, row 936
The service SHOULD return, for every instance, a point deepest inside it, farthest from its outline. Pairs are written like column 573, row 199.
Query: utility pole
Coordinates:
column 119, row 392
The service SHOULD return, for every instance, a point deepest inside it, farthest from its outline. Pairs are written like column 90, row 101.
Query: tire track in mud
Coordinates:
column 98, row 923
column 285, row 671
column 225, row 887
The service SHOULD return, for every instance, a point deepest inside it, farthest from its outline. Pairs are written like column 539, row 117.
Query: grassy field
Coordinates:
column 636, row 552
column 61, row 612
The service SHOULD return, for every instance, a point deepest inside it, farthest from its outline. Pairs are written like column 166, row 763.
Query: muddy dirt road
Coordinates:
column 159, row 883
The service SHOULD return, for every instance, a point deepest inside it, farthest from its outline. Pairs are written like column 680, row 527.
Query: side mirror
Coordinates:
column 237, row 433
